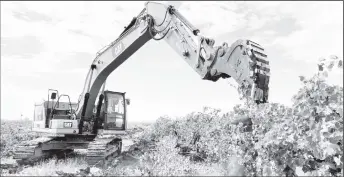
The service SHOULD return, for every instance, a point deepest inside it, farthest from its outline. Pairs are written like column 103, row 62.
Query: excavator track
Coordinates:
column 102, row 148
column 30, row 152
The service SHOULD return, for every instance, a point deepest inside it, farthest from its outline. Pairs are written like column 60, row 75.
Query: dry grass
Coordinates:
column 50, row 167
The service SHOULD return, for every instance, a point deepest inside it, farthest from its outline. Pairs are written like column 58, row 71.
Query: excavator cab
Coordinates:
column 115, row 117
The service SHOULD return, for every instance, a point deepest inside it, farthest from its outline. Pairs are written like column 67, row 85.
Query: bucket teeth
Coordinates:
column 260, row 71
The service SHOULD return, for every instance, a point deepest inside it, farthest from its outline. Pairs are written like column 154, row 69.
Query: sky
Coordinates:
column 51, row 44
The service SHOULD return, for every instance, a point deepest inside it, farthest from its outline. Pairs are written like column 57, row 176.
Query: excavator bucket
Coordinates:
column 246, row 62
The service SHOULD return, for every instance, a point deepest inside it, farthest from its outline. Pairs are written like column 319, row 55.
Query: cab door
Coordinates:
column 115, row 112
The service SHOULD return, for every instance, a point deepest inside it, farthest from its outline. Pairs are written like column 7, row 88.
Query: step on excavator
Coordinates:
column 99, row 126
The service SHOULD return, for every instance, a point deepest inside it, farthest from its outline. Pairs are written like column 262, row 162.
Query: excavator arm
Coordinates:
column 244, row 61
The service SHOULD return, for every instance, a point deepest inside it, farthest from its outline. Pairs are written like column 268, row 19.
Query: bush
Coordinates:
column 305, row 139
column 14, row 132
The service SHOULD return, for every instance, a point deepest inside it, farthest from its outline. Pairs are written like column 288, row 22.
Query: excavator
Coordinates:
column 99, row 126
